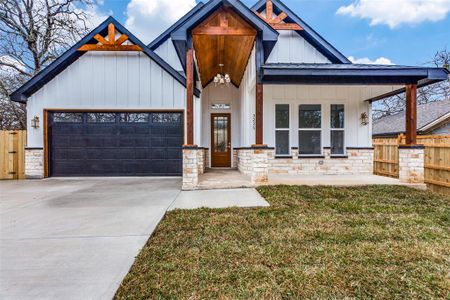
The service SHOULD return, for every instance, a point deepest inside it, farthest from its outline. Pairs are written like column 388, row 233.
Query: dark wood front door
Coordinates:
column 221, row 140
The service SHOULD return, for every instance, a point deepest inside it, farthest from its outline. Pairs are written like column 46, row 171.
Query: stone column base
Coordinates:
column 411, row 164
column 254, row 162
column 192, row 166
column 34, row 163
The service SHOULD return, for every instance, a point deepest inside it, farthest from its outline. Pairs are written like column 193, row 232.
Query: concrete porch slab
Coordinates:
column 218, row 198
column 223, row 179
column 337, row 180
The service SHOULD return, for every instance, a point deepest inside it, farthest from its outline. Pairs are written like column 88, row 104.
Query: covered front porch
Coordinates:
column 274, row 118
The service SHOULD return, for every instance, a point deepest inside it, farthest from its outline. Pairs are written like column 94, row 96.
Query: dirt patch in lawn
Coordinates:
column 313, row 242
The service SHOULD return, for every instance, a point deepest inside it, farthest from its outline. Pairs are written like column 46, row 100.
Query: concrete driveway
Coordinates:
column 76, row 238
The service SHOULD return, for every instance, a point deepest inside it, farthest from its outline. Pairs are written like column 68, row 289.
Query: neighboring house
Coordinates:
column 113, row 106
column 432, row 119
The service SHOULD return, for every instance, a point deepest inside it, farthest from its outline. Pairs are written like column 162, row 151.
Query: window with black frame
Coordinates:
column 337, row 118
column 282, row 129
column 310, row 129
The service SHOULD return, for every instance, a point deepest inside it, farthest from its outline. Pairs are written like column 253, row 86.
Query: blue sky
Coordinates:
column 411, row 42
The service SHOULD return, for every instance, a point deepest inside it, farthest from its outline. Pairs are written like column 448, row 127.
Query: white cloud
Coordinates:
column 149, row 18
column 396, row 12
column 368, row 61
column 95, row 16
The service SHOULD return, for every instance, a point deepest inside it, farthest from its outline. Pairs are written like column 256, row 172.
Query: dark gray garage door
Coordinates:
column 115, row 144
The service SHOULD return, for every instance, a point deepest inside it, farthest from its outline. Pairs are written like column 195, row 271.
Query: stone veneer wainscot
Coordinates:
column 34, row 163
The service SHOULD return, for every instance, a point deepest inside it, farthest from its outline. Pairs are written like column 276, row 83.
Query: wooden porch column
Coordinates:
column 190, row 96
column 259, row 114
column 411, row 114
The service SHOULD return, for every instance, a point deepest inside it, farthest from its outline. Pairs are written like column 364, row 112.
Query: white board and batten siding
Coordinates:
column 293, row 48
column 247, row 95
column 168, row 53
column 107, row 80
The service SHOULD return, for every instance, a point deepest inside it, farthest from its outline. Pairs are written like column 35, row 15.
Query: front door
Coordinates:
column 221, row 140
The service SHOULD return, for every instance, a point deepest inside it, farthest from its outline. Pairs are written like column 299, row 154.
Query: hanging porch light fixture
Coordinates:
column 222, row 80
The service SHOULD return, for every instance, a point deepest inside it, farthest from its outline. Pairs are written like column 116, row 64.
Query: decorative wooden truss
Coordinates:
column 275, row 22
column 110, row 44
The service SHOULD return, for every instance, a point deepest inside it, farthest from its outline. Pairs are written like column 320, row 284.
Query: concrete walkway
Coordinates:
column 219, row 199
column 76, row 238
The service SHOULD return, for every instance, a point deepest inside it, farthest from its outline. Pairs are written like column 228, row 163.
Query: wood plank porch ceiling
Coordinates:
column 223, row 38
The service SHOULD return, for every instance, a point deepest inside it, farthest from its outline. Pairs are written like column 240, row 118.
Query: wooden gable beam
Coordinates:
column 224, row 27
column 216, row 30
column 275, row 22
column 110, row 44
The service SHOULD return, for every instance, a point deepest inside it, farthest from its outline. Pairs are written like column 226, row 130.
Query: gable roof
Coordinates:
column 180, row 36
column 307, row 33
column 166, row 34
column 71, row 55
column 427, row 114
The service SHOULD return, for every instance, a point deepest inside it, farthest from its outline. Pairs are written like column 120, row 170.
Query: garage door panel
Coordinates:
column 133, row 129
column 69, row 128
column 173, row 153
column 159, row 153
column 173, row 131
column 173, row 141
column 101, row 129
column 135, row 146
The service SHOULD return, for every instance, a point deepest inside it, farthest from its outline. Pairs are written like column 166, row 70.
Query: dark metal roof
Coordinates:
column 71, row 55
column 308, row 33
column 180, row 36
column 350, row 74
column 426, row 114
column 166, row 34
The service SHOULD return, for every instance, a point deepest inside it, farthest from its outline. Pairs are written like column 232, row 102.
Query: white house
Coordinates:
column 226, row 86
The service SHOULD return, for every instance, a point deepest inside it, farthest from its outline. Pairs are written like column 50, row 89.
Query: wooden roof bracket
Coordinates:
column 275, row 22
column 110, row 44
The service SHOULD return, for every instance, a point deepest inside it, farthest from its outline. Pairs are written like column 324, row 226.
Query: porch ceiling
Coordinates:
column 223, row 38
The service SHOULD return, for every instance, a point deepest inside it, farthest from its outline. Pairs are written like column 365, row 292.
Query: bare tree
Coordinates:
column 434, row 92
column 33, row 33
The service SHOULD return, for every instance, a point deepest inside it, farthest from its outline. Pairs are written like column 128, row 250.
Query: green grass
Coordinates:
column 313, row 242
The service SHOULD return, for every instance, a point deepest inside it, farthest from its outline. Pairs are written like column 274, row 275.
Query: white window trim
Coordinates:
column 282, row 129
column 310, row 129
column 339, row 129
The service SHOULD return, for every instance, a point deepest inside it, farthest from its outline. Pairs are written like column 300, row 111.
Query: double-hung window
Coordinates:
column 310, row 129
column 337, row 129
column 282, row 129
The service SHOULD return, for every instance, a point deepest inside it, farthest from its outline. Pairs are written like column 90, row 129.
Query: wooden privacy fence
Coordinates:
column 12, row 154
column 437, row 159
column 385, row 156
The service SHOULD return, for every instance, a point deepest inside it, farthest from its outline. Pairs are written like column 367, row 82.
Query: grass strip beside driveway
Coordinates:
column 387, row 242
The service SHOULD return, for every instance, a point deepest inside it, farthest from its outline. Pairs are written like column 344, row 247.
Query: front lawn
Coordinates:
column 313, row 242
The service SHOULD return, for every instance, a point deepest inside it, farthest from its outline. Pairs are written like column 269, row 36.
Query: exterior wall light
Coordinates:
column 35, row 122
column 364, row 119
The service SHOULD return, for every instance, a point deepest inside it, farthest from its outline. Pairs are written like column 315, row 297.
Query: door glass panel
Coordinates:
column 220, row 134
